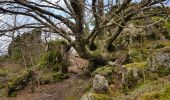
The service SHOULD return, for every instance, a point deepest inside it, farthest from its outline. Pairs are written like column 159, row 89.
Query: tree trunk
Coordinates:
column 94, row 61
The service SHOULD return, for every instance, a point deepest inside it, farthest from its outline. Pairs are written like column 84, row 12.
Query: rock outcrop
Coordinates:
column 100, row 84
column 159, row 62
column 100, row 88
column 160, row 58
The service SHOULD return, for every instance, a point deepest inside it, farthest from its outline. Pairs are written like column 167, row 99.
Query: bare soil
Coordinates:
column 69, row 89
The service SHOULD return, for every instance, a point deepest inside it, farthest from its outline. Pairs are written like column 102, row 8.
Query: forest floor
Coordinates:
column 69, row 89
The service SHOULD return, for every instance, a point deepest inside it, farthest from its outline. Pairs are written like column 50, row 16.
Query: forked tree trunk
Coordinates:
column 94, row 61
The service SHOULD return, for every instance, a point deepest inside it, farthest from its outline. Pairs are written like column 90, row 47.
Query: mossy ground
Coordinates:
column 136, row 65
column 49, row 69
column 46, row 69
column 138, row 78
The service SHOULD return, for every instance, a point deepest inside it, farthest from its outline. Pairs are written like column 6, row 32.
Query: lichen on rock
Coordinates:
column 159, row 62
column 100, row 84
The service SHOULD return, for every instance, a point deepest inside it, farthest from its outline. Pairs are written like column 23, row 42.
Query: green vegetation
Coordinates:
column 159, row 93
column 52, row 77
column 100, row 97
column 164, row 94
column 105, row 71
column 18, row 81
column 48, row 66
column 136, row 65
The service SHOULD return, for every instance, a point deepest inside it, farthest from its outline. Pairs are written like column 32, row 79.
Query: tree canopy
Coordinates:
column 85, row 20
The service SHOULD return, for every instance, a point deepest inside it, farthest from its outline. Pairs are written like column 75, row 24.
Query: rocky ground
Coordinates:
column 70, row 89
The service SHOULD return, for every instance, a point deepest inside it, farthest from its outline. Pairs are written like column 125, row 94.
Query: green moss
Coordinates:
column 16, row 54
column 17, row 78
column 57, row 67
column 53, row 59
column 56, row 45
column 156, row 69
column 134, row 76
column 136, row 65
column 166, row 93
column 100, row 97
column 18, row 81
column 13, row 94
column 151, row 96
column 51, row 56
column 51, row 76
column 88, row 87
column 159, row 95
column 105, row 71
column 162, row 71
column 71, row 98
column 167, row 25
column 59, row 76
column 164, row 50
column 138, row 54
column 131, row 81
column 150, row 90
column 46, row 78
column 165, row 43
column 96, row 53
column 155, row 18
column 3, row 72
column 42, row 64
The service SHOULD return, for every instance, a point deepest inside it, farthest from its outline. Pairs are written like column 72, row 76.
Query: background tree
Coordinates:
column 109, row 16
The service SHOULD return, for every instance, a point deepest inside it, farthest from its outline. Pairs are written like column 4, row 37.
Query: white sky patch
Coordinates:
column 4, row 43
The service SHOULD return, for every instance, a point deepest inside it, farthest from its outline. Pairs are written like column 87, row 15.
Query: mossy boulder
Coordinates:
column 26, row 49
column 133, row 75
column 100, row 84
column 53, row 64
column 106, row 71
column 19, row 81
column 159, row 62
column 100, row 90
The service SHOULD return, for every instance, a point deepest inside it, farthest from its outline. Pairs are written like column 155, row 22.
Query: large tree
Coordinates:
column 77, row 16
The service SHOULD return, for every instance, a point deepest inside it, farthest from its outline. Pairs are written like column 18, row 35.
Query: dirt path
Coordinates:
column 69, row 89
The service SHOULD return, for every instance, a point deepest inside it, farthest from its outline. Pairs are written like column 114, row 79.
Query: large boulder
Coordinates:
column 160, row 58
column 159, row 62
column 132, row 75
column 27, row 48
column 100, row 84
column 99, row 90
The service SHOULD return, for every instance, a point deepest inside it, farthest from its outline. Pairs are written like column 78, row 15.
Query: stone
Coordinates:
column 100, row 84
column 159, row 62
column 160, row 58
column 112, row 63
column 87, row 96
